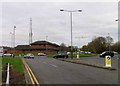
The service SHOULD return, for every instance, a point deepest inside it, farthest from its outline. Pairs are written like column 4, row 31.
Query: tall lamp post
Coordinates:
column 11, row 41
column 14, row 40
column 71, row 12
column 46, row 44
column 109, row 40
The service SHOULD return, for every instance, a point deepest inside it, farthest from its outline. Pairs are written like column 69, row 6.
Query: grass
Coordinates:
column 0, row 70
column 15, row 62
column 50, row 55
column 0, row 62
column 87, row 55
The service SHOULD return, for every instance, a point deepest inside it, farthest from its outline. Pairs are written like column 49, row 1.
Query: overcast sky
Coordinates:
column 96, row 19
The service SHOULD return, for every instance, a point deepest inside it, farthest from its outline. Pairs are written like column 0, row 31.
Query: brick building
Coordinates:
column 38, row 47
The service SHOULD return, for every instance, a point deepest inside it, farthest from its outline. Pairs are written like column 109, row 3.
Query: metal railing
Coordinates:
column 8, row 76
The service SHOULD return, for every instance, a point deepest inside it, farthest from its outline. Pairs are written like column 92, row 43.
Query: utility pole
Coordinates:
column 71, row 27
column 46, row 43
column 30, row 33
column 11, row 35
column 14, row 41
column 109, row 40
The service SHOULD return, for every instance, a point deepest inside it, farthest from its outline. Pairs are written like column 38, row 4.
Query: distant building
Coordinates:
column 6, row 49
column 38, row 47
column 1, row 51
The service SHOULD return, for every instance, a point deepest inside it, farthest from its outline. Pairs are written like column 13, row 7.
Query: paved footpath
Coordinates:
column 95, row 61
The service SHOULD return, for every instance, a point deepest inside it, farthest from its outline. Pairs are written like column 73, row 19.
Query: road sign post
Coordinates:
column 108, row 61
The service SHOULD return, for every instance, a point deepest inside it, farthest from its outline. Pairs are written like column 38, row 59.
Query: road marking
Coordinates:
column 29, row 75
column 53, row 65
column 32, row 76
column 45, row 62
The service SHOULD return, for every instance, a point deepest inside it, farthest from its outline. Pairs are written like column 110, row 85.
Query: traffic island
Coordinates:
column 16, row 71
column 87, row 64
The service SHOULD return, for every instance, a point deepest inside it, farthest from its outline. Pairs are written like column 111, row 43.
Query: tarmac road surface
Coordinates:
column 52, row 71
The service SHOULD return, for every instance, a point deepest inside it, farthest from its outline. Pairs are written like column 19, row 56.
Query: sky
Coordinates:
column 96, row 19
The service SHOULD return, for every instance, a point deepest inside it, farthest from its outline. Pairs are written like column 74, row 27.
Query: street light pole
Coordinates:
column 71, row 28
column 71, row 36
column 14, row 41
column 46, row 44
column 11, row 41
column 109, row 40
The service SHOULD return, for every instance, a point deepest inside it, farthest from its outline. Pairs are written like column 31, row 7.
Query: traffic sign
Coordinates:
column 107, row 61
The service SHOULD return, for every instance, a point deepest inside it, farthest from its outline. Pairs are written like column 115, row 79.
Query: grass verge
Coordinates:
column 16, row 71
column 74, row 55
column 50, row 55
column 87, row 55
column 15, row 62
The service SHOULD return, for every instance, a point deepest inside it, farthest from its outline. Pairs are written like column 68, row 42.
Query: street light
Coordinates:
column 11, row 41
column 109, row 40
column 46, row 44
column 14, row 41
column 71, row 11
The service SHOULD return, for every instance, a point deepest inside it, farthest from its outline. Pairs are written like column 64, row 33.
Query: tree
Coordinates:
column 63, row 47
column 97, row 45
column 74, row 48
column 116, row 47
column 100, row 44
column 109, row 42
column 84, row 48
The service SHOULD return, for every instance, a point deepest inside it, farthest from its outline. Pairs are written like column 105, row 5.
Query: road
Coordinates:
column 52, row 71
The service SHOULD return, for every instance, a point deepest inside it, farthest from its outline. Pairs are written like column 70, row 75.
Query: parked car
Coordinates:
column 7, row 55
column 29, row 56
column 61, row 55
column 110, row 53
column 87, row 52
column 41, row 54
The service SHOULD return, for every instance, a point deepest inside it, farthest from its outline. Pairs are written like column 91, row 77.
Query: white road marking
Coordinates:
column 50, row 64
column 53, row 65
column 45, row 62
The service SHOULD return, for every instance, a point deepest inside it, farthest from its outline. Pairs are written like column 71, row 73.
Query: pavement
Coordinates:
column 53, row 71
column 94, row 61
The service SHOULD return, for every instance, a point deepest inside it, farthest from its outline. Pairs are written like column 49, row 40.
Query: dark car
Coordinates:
column 107, row 53
column 61, row 56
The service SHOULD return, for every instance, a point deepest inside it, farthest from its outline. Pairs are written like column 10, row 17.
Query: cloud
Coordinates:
column 47, row 19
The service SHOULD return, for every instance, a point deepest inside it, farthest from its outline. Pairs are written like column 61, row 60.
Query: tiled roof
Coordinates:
column 24, row 47
column 43, row 42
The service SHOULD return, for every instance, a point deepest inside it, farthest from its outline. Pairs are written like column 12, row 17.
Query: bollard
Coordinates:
column 77, row 56
column 108, row 61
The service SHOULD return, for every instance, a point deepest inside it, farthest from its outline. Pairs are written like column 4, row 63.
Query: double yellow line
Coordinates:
column 31, row 75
